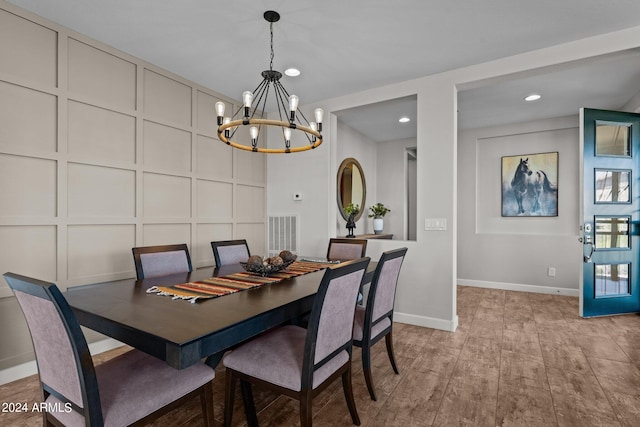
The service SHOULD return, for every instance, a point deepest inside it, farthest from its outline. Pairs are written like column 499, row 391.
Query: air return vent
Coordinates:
column 283, row 234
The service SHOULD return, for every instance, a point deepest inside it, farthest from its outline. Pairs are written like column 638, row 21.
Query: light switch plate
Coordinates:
column 435, row 224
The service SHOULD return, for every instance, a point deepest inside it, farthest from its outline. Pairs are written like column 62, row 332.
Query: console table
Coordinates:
column 375, row 236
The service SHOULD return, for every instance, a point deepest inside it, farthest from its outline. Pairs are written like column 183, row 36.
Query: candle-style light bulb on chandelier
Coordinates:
column 291, row 118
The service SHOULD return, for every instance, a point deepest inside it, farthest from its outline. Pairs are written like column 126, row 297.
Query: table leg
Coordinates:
column 215, row 359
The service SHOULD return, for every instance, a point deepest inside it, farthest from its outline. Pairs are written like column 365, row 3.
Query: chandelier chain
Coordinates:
column 272, row 55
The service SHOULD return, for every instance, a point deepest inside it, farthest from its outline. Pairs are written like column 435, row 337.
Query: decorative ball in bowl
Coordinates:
column 267, row 266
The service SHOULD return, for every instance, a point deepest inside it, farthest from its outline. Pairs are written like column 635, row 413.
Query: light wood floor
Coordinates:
column 516, row 359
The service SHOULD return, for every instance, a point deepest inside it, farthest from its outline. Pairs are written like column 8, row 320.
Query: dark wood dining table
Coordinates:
column 183, row 333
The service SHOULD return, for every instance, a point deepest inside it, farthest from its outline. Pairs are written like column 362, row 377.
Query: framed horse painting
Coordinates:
column 530, row 185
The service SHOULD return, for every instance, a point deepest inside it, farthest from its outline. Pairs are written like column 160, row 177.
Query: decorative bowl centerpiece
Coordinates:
column 264, row 267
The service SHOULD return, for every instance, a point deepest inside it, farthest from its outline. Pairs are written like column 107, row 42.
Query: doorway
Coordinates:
column 411, row 193
column 610, row 213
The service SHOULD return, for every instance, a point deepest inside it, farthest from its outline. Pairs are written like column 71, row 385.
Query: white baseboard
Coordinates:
column 520, row 288
column 104, row 345
column 428, row 322
column 30, row 368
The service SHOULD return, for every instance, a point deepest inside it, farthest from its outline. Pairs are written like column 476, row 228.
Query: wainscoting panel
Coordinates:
column 166, row 148
column 116, row 198
column 215, row 159
column 20, row 109
column 160, row 234
column 215, row 200
column 28, row 187
column 28, row 250
column 98, row 133
column 166, row 196
column 100, row 250
column 250, row 203
column 101, row 76
column 28, row 50
column 166, row 100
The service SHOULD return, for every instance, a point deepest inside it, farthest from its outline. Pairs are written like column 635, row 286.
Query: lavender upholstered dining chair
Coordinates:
column 346, row 249
column 154, row 261
column 131, row 389
column 300, row 362
column 228, row 252
column 375, row 320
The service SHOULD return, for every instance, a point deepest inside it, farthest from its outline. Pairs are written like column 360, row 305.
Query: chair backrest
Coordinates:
column 330, row 326
column 154, row 261
column 382, row 292
column 64, row 363
column 346, row 249
column 228, row 252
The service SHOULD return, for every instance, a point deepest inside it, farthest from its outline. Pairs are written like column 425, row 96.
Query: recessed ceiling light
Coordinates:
column 292, row 72
column 404, row 119
column 532, row 97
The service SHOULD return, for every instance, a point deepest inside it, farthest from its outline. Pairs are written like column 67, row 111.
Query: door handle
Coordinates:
column 586, row 241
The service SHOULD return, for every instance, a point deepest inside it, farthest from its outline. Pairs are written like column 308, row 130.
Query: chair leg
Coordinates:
column 207, row 404
column 229, row 395
column 348, row 395
column 306, row 418
column 46, row 420
column 369, row 380
column 389, row 340
column 366, row 369
column 249, row 405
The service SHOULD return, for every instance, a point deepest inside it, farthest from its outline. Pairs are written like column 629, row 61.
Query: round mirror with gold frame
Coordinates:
column 352, row 187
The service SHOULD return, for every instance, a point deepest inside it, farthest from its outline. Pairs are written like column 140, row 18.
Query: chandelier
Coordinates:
column 290, row 117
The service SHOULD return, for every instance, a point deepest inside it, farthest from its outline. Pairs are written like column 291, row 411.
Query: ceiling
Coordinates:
column 343, row 47
column 606, row 82
column 379, row 121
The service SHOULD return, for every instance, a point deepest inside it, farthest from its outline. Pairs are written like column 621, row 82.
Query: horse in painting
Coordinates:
column 526, row 180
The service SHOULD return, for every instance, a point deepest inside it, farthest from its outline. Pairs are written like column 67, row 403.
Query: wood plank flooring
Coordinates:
column 517, row 359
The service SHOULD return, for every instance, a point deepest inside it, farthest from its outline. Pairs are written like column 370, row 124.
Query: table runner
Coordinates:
column 219, row 286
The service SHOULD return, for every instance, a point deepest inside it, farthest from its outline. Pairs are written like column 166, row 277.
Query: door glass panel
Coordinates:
column 612, row 186
column 612, row 139
column 611, row 280
column 612, row 232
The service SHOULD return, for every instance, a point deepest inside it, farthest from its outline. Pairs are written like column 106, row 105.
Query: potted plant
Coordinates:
column 351, row 210
column 377, row 212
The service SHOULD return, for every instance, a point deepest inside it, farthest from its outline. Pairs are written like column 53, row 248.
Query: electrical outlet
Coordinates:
column 551, row 272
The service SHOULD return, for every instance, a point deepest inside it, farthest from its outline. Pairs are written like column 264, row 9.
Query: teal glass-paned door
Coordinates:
column 611, row 267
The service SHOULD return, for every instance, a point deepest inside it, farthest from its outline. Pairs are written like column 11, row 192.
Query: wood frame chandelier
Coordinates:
column 291, row 118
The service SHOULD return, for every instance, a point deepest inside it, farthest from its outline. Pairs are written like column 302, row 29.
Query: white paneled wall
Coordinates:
column 97, row 75
column 95, row 132
column 101, row 152
column 29, row 187
column 19, row 107
column 166, row 100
